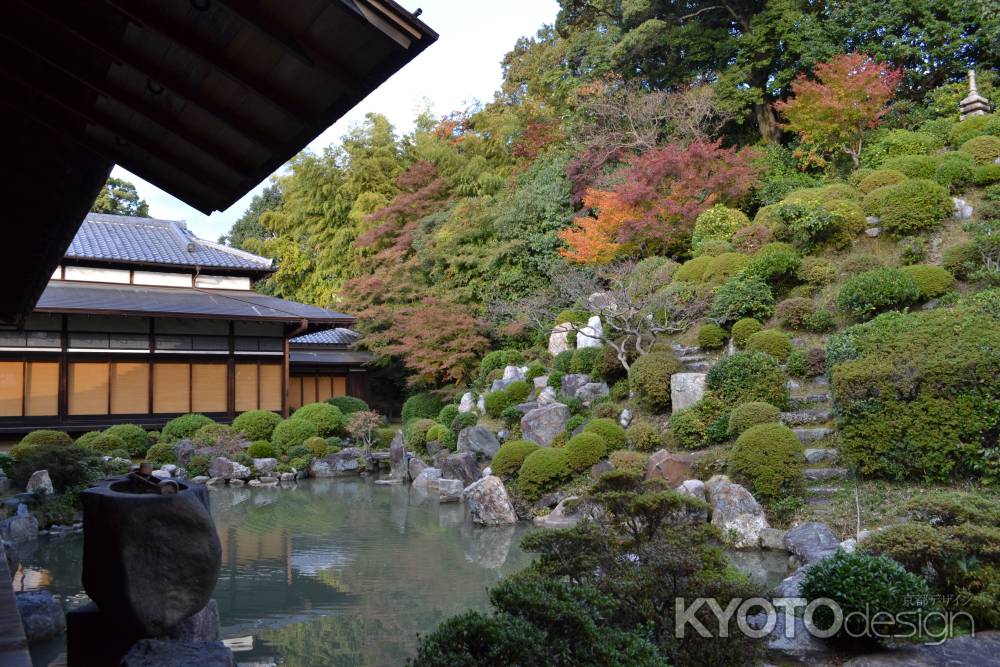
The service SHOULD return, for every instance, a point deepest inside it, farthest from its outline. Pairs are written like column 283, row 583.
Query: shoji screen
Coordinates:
column 129, row 388
column 270, row 386
column 41, row 390
column 11, row 389
column 88, row 388
column 246, row 387
column 209, row 387
column 171, row 388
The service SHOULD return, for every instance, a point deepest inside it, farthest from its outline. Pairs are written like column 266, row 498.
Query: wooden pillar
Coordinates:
column 63, row 408
column 231, row 373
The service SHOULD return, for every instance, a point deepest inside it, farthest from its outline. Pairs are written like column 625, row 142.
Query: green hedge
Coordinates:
column 509, row 458
column 693, row 270
column 542, row 470
column 327, row 419
column 134, row 436
column 748, row 376
column 649, row 378
column 872, row 292
column 771, row 341
column 933, row 281
column 183, row 427
column 348, row 405
column 740, row 298
column 584, row 450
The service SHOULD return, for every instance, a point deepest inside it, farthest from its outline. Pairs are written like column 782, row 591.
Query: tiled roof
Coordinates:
column 338, row 336
column 122, row 238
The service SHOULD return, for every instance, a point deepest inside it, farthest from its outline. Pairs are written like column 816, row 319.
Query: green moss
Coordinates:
column 542, row 470
column 509, row 458
column 649, row 378
column 771, row 341
column 584, row 450
column 327, row 419
column 769, row 459
column 745, row 415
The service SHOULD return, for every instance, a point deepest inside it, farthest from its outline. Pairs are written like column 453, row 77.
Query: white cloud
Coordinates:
column 462, row 67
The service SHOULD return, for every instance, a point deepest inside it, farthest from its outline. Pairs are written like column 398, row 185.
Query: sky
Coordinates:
column 463, row 66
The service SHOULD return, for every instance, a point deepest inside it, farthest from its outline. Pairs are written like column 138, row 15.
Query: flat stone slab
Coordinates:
column 983, row 649
column 819, row 474
column 809, row 416
column 811, row 542
column 820, row 454
column 807, row 435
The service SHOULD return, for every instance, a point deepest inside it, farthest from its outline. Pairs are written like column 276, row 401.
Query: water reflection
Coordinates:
column 329, row 572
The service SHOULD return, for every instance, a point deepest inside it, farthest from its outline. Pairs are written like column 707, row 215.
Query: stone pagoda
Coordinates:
column 975, row 104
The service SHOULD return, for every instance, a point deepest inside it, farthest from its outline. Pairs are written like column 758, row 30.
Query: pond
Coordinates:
column 335, row 572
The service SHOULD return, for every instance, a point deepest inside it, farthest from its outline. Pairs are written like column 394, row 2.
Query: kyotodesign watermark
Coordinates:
column 758, row 617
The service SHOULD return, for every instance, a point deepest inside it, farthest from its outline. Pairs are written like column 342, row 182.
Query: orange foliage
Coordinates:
column 593, row 240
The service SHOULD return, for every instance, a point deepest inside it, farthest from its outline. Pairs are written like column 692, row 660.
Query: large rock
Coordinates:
column 590, row 335
column 241, row 472
column 41, row 615
column 461, row 466
column 543, row 424
column 40, row 482
column 398, row 465
column 221, row 467
column 202, row 626
column 738, row 514
column 981, row 650
column 184, row 451
column 686, row 389
column 427, row 478
column 414, row 467
column 591, row 391
column 450, row 490
column 625, row 418
column 344, row 463
column 265, row 466
column 671, row 467
column 479, row 440
column 547, row 396
column 488, row 502
column 149, row 560
column 561, row 516
column 540, row 382
column 572, row 382
column 19, row 528
column 468, row 403
column 559, row 339
column 512, row 373
column 178, row 653
column 4, row 483
column 811, row 542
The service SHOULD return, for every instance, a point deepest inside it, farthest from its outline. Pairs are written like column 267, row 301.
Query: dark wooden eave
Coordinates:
column 203, row 98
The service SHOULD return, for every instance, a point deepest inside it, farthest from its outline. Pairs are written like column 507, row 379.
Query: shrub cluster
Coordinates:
column 770, row 341
column 609, row 430
column 724, row 266
column 261, row 449
column 207, row 435
column 774, row 263
column 498, row 401
column 629, row 461
column 717, row 223
column 106, row 443
column 745, row 415
column 161, row 453
column 327, row 419
column 587, row 360
column 881, row 178
column 415, row 433
column 348, row 405
column 740, row 298
column 649, row 378
column 69, row 467
column 425, row 405
column 711, row 337
column 816, row 271
column 748, row 376
column 256, row 424
column 183, row 427
column 794, row 313
column 983, row 149
column 542, row 470
column 693, row 270
column 700, row 425
column 643, row 435
column 769, row 459
column 509, row 458
column 872, row 292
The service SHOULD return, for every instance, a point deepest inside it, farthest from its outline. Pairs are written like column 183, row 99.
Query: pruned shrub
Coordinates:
column 753, row 238
column 724, row 266
column 161, row 454
column 932, row 280
column 910, row 207
column 609, row 430
column 794, row 313
column 87, row 439
column 134, row 436
column 107, row 443
column 774, row 263
column 891, row 143
column 562, row 361
column 447, row 414
column 860, row 262
column 770, row 341
column 542, row 470
column 261, row 449
column 198, row 466
column 509, row 458
column 986, row 174
column 348, row 405
column 816, row 271
column 914, row 166
column 769, row 459
column 464, row 420
column 180, row 428
column 954, row 174
column 743, row 329
column 585, row 360
column 629, row 461
column 693, row 270
column 714, row 248
column 748, row 376
column 498, row 359
column 825, row 193
column 711, row 337
column 864, row 587
column 815, row 361
column 40, row 438
column 964, row 130
column 327, row 419
column 207, row 435
column 961, row 260
column 498, row 401
column 316, row 446
column 742, row 297
column 649, row 378
column 700, row 425
column 880, row 178
column 717, row 223
column 867, row 294
column 421, row 406
column 643, row 435
column 745, row 415
column 293, row 432
column 256, row 424
column 415, row 433
column 983, row 149
column 584, row 450
column 69, row 467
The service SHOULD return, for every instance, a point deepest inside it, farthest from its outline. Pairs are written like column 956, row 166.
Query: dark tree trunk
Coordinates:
column 767, row 122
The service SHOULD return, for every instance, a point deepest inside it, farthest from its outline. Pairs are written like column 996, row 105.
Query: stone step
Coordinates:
column 685, row 349
column 820, row 454
column 809, row 416
column 818, row 500
column 820, row 474
column 805, row 401
column 823, row 491
column 807, row 435
column 691, row 358
column 698, row 367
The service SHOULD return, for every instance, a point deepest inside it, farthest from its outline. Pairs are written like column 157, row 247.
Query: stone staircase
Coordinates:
column 810, row 417
column 692, row 358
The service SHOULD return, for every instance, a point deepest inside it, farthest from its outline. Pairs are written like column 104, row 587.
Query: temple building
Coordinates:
column 142, row 321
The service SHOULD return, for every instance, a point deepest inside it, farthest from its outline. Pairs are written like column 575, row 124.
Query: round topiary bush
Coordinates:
column 134, row 436
column 256, row 424
column 711, row 337
column 867, row 294
column 932, row 280
column 774, row 263
column 542, row 470
column 953, row 174
column 198, row 466
column 986, row 174
column 960, row 260
column 584, row 450
column 816, row 271
column 348, row 405
column 316, row 447
column 180, row 428
column 795, row 312
column 771, row 341
column 87, row 439
column 609, row 430
column 743, row 329
column 717, row 223
column 748, row 376
column 864, row 587
column 499, row 358
column 984, row 149
column 161, row 454
column 745, row 415
column 693, row 270
column 106, row 443
column 327, row 419
column 585, row 360
column 36, row 439
column 261, row 449
column 911, row 207
column 496, row 402
column 687, row 429
column 742, row 297
column 724, row 266
column 209, row 434
column 447, row 414
column 753, row 238
column 629, row 461
column 913, row 166
column 292, row 432
column 649, row 378
column 509, row 458
column 421, row 406
column 768, row 459
column 643, row 435
column 415, row 433
column 880, row 178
